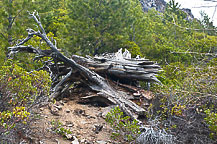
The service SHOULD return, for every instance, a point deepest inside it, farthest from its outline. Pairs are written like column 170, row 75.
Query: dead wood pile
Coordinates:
column 113, row 77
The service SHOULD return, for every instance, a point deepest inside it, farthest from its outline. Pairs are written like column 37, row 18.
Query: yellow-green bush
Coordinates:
column 211, row 120
column 188, row 85
column 18, row 91
column 123, row 127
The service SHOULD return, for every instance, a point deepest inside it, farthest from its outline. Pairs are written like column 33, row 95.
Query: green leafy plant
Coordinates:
column 57, row 127
column 178, row 110
column 123, row 127
column 18, row 92
column 211, row 120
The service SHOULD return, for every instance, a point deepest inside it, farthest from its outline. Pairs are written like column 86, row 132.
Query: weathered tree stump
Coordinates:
column 98, row 73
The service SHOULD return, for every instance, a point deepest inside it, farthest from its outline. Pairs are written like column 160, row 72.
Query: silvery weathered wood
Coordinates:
column 121, row 65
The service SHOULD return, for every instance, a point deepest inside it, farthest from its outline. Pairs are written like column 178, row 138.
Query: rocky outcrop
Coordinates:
column 190, row 16
column 160, row 5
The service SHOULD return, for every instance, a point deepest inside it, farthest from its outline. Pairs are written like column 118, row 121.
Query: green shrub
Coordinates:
column 18, row 92
column 211, row 120
column 185, row 92
column 123, row 127
column 59, row 129
column 188, row 85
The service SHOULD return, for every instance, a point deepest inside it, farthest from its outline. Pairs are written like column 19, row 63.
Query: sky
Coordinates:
column 208, row 6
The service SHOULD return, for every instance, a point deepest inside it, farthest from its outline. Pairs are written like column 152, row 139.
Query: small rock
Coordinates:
column 101, row 142
column 57, row 141
column 99, row 114
column 98, row 128
column 41, row 109
column 136, row 95
column 79, row 112
column 61, row 102
column 75, row 141
column 84, row 122
column 70, row 125
column 68, row 122
column 89, row 117
column 69, row 137
column 54, row 111
column 59, row 107
column 83, row 141
column 65, row 100
column 67, row 111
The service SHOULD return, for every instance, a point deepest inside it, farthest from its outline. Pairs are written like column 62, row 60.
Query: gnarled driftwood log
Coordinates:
column 90, row 71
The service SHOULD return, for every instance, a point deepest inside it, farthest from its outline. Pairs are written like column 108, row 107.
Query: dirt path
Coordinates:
column 85, row 121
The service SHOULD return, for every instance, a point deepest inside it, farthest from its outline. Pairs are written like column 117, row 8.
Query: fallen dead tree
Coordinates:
column 98, row 73
column 121, row 66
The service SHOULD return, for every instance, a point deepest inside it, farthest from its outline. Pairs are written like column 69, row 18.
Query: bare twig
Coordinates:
column 16, row 17
column 4, row 36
